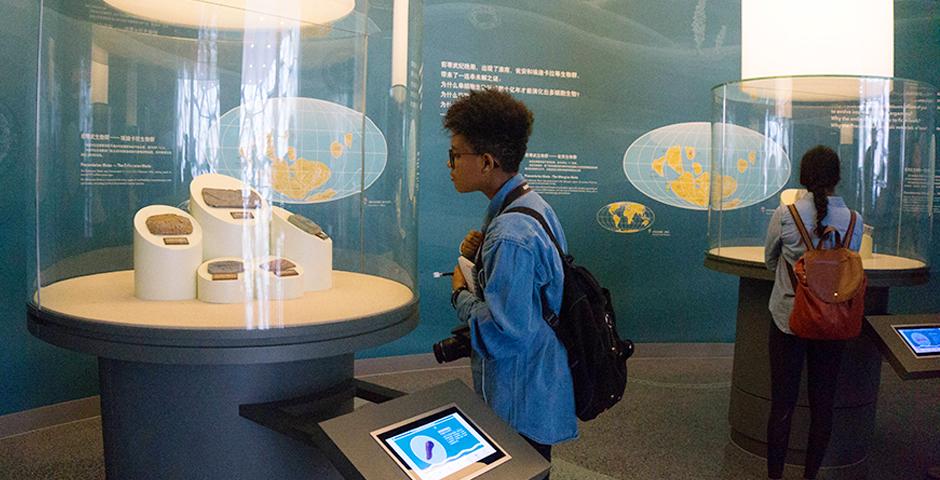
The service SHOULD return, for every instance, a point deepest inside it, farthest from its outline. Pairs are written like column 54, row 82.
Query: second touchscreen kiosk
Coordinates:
column 923, row 340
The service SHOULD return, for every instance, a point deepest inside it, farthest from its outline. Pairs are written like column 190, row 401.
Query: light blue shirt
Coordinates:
column 519, row 366
column 784, row 244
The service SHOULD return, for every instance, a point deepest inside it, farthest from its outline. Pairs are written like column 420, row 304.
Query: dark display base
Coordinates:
column 170, row 393
column 856, row 396
column 182, row 421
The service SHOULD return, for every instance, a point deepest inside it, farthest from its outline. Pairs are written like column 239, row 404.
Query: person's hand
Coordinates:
column 458, row 281
column 471, row 243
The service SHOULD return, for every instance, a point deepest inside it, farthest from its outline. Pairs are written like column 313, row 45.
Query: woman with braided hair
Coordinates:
column 819, row 173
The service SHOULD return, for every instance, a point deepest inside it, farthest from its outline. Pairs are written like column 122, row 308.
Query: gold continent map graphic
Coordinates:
column 312, row 150
column 296, row 177
column 671, row 164
column 693, row 186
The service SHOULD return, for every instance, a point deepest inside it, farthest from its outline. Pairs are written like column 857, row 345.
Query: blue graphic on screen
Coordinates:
column 924, row 341
column 442, row 447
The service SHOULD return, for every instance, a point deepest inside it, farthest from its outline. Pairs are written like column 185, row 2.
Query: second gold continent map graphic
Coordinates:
column 625, row 217
column 671, row 165
column 318, row 151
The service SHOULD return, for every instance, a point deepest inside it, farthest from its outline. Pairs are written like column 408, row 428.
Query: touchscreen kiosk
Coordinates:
column 911, row 343
column 923, row 340
column 442, row 444
column 444, row 432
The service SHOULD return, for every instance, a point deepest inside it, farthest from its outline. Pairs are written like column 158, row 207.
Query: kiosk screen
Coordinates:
column 923, row 340
column 441, row 444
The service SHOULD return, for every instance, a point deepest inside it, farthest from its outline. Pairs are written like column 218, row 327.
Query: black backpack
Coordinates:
column 587, row 327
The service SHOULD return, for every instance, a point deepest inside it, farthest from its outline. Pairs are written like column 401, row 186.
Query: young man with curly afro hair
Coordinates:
column 519, row 366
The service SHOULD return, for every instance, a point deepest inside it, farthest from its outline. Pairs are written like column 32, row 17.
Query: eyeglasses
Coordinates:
column 452, row 157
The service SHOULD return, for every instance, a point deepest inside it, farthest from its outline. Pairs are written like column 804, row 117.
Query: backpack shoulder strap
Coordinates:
column 799, row 226
column 548, row 315
column 538, row 216
column 790, row 274
column 851, row 230
column 514, row 195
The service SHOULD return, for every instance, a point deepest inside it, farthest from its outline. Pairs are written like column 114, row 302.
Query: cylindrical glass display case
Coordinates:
column 225, row 211
column 883, row 131
column 221, row 164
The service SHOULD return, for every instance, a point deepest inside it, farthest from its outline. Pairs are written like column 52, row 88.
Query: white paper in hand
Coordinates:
column 466, row 268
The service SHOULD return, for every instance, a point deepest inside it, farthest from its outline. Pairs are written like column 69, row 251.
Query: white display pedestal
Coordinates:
column 283, row 286
column 165, row 265
column 234, row 290
column 314, row 252
column 229, row 232
column 251, row 282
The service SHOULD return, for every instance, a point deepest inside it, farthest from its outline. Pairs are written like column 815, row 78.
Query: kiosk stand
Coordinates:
column 911, row 343
column 445, row 432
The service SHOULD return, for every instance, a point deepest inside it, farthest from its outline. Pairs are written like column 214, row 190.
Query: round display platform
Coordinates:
column 184, row 368
column 882, row 270
column 99, row 314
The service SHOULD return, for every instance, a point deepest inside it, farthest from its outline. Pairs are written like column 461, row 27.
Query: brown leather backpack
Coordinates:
column 829, row 285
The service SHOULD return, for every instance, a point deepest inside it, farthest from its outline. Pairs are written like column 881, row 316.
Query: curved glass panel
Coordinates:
column 226, row 164
column 883, row 131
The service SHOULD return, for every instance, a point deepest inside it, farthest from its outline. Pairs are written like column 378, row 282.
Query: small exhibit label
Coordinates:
column 176, row 241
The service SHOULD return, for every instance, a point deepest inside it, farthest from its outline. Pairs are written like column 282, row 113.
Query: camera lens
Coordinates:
column 439, row 352
column 450, row 349
column 627, row 350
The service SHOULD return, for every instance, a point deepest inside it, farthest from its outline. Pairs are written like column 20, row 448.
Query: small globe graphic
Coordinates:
column 625, row 217
column 672, row 165
column 315, row 151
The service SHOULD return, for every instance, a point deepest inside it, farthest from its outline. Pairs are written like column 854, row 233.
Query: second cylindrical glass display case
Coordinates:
column 883, row 131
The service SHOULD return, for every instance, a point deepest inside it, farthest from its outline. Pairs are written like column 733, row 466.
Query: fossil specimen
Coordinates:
column 169, row 224
column 226, row 266
column 225, row 198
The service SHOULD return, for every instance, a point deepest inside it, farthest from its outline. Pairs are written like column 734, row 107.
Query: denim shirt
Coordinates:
column 519, row 366
column 784, row 244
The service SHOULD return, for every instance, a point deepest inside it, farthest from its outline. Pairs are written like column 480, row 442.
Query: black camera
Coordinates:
column 454, row 347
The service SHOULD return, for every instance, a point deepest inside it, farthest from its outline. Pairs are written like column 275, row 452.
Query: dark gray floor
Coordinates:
column 671, row 425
